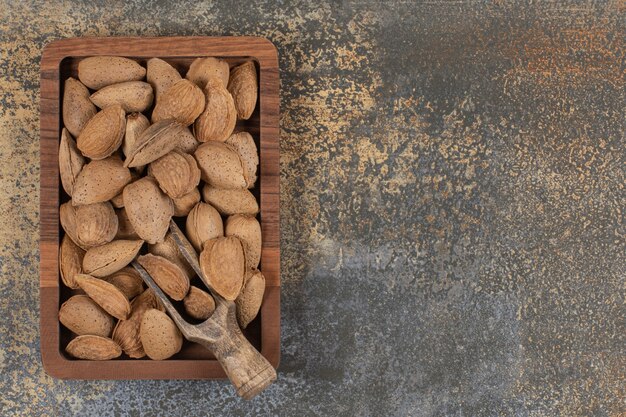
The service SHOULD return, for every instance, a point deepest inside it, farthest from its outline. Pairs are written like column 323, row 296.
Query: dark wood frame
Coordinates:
column 182, row 50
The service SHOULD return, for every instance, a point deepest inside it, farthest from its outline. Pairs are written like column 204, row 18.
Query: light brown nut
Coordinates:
column 202, row 69
column 223, row 263
column 228, row 202
column 161, row 76
column 103, row 133
column 243, row 86
column 220, row 165
column 100, row 181
column 126, row 332
column 136, row 124
column 177, row 173
column 199, row 304
column 203, row 223
column 77, row 108
column 169, row 250
column 148, row 209
column 248, row 230
column 184, row 204
column 218, row 120
column 70, row 261
column 159, row 335
column 118, row 201
column 249, row 301
column 106, row 295
column 82, row 315
column 107, row 259
column 125, row 229
column 168, row 276
column 96, row 224
column 128, row 281
column 246, row 148
column 67, row 218
column 154, row 142
column 187, row 142
column 93, row 348
column 70, row 161
column 133, row 96
column 183, row 102
column 99, row 71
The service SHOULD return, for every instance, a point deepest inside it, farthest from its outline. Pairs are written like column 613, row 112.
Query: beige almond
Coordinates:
column 96, row 224
column 187, row 142
column 243, row 143
column 154, row 142
column 228, row 202
column 159, row 335
column 177, row 173
column 199, row 304
column 249, row 301
column 133, row 96
column 77, row 108
column 223, row 263
column 70, row 261
column 203, row 69
column 248, row 230
column 243, row 85
column 148, row 208
column 161, row 76
column 106, row 295
column 128, row 281
column 107, row 259
column 125, row 229
column 118, row 201
column 70, row 161
column 168, row 276
column 183, row 102
column 126, row 332
column 67, row 218
column 169, row 250
column 218, row 120
column 82, row 316
column 103, row 133
column 203, row 223
column 100, row 181
column 184, row 204
column 93, row 348
column 99, row 71
column 136, row 124
column 220, row 165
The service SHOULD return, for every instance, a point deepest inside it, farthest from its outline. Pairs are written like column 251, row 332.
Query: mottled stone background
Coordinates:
column 452, row 207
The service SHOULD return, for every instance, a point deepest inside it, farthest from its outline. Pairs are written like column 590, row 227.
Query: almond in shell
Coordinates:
column 67, row 218
column 183, row 102
column 203, row 69
column 93, row 348
column 218, row 120
column 243, row 86
column 77, row 108
column 168, row 276
column 184, row 204
column 249, row 301
column 228, row 202
column 148, row 209
column 128, row 281
column 70, row 261
column 96, row 224
column 248, row 230
column 154, row 142
column 220, row 165
column 82, row 316
column 126, row 332
column 136, row 124
column 187, row 142
column 107, row 259
column 159, row 335
column 125, row 229
column 133, row 96
column 99, row 71
column 199, row 304
column 243, row 143
column 223, row 263
column 103, row 133
column 177, row 173
column 169, row 250
column 100, row 181
column 106, row 295
column 203, row 223
column 70, row 161
column 161, row 76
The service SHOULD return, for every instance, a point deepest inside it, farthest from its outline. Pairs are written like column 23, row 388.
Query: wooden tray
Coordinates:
column 59, row 61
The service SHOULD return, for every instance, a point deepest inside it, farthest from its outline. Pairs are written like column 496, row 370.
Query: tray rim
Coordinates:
column 265, row 54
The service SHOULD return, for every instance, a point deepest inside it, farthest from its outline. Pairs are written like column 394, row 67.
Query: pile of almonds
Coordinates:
column 140, row 146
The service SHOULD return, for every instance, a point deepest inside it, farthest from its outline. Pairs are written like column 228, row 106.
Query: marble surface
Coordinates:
column 452, row 207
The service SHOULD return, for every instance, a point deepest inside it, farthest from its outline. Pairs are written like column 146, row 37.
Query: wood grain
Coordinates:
column 60, row 59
